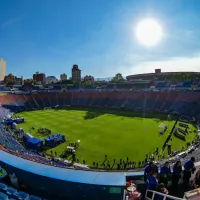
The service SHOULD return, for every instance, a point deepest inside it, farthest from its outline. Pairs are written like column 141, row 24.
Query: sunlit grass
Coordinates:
column 117, row 134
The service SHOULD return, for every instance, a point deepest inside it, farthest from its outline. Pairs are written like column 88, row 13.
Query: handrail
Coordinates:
column 161, row 194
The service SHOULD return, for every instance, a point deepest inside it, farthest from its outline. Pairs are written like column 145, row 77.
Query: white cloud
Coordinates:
column 168, row 65
column 144, row 64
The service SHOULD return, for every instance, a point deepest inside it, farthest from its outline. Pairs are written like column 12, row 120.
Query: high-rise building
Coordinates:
column 63, row 77
column 39, row 77
column 2, row 69
column 76, row 74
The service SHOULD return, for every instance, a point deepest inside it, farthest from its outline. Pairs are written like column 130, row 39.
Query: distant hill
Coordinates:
column 105, row 79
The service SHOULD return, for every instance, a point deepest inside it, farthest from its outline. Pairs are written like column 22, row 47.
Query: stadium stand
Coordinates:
column 29, row 161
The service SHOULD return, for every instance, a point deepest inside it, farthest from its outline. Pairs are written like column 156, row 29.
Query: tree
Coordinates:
column 88, row 79
column 65, row 82
column 10, row 83
column 117, row 78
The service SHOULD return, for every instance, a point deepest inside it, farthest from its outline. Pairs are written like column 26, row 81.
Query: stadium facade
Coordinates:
column 158, row 75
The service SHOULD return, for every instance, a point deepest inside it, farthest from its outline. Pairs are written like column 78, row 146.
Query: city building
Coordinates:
column 2, row 69
column 76, row 74
column 51, row 79
column 13, row 79
column 39, row 77
column 63, row 77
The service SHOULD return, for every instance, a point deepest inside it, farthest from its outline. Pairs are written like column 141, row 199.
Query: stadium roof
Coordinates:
column 50, row 77
column 158, row 74
column 79, row 176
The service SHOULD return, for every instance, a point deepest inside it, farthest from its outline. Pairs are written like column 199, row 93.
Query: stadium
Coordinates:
column 99, row 100
column 86, row 144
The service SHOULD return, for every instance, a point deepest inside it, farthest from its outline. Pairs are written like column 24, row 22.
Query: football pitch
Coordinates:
column 117, row 134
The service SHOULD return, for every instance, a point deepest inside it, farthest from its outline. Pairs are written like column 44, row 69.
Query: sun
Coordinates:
column 149, row 32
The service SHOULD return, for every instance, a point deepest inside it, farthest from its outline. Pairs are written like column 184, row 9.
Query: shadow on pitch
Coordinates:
column 94, row 112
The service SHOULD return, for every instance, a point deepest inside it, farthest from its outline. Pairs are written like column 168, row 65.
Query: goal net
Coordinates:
column 47, row 108
column 169, row 117
column 162, row 128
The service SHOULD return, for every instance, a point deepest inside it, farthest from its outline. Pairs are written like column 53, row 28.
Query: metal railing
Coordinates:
column 151, row 195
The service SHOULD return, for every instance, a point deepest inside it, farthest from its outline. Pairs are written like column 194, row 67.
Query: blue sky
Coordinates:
column 50, row 36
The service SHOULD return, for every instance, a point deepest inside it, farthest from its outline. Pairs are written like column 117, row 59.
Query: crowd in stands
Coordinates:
column 157, row 178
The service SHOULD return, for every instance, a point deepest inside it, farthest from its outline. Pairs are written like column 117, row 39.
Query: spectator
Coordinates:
column 162, row 189
column 124, row 165
column 108, row 165
column 14, row 180
column 156, row 150
column 165, row 173
column 132, row 191
column 148, row 169
column 177, row 169
column 189, row 168
column 152, row 181
column 152, row 157
column 118, row 166
column 196, row 180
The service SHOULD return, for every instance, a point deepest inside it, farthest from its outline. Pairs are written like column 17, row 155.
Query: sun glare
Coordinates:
column 149, row 32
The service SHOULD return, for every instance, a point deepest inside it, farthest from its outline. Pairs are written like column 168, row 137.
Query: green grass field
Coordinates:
column 117, row 134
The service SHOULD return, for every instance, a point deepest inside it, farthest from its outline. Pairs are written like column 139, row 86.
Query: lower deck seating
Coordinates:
column 10, row 193
column 174, row 101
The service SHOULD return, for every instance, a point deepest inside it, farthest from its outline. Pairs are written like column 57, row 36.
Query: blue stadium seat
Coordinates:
column 11, row 190
column 3, row 196
column 33, row 198
column 3, row 186
column 15, row 198
column 22, row 195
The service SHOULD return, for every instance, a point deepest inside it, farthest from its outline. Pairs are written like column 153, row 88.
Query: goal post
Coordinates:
column 47, row 108
column 169, row 117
